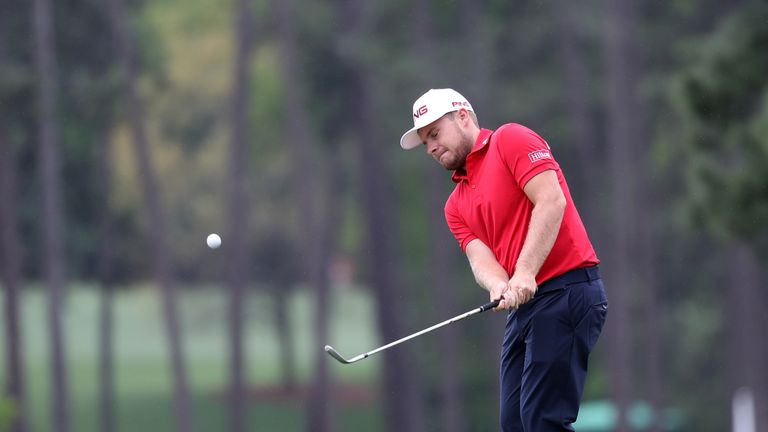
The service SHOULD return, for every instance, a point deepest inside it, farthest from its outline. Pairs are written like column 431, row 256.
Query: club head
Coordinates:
column 333, row 353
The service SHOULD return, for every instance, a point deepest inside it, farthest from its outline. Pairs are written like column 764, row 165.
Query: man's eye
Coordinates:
column 433, row 134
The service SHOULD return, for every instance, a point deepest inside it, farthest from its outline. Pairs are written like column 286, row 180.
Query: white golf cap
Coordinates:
column 429, row 107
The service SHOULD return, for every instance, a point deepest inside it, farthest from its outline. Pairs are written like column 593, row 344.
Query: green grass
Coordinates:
column 142, row 374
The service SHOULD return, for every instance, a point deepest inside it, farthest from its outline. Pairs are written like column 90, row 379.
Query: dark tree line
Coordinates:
column 656, row 112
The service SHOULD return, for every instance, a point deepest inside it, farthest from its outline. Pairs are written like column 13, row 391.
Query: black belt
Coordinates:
column 586, row 274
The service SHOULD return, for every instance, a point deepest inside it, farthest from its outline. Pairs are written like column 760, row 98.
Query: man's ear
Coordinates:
column 464, row 116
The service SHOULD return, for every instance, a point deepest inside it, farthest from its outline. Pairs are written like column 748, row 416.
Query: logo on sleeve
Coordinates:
column 539, row 155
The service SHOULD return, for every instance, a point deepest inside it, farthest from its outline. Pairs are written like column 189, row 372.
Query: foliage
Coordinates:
column 709, row 168
column 723, row 99
column 7, row 413
column 705, row 89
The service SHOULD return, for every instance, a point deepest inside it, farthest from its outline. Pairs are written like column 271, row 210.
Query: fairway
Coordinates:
column 142, row 375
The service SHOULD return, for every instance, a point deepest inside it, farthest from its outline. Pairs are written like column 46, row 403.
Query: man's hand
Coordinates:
column 501, row 291
column 524, row 285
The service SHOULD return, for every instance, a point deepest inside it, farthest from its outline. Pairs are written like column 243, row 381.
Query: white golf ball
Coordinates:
column 213, row 240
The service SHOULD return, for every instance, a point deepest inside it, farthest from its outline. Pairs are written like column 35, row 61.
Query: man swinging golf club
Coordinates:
column 513, row 216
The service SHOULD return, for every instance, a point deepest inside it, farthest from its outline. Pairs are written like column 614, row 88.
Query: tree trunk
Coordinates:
column 747, row 360
column 10, row 253
column 443, row 288
column 480, row 80
column 163, row 273
column 321, row 404
column 648, row 218
column 403, row 405
column 762, row 402
column 451, row 413
column 477, row 74
column 287, row 354
column 582, row 134
column 316, row 212
column 238, row 213
column 106, row 315
column 52, row 214
column 653, row 316
column 106, row 349
column 621, row 102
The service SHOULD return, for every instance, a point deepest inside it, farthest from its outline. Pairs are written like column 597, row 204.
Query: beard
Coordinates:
column 451, row 161
column 455, row 159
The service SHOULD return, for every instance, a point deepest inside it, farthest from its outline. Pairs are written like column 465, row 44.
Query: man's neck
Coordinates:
column 474, row 134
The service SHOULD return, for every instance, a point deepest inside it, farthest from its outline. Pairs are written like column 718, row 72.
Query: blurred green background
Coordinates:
column 130, row 130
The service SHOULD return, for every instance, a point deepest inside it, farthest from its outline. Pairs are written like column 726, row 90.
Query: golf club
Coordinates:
column 335, row 354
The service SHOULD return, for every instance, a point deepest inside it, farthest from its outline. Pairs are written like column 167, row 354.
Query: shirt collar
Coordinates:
column 480, row 144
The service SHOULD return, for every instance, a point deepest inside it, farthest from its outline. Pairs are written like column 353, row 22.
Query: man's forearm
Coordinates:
column 486, row 269
column 490, row 275
column 546, row 218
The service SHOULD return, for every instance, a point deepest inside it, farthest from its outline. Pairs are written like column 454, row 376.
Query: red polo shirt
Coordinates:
column 489, row 202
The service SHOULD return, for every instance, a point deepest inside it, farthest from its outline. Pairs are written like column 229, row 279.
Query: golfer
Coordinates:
column 513, row 216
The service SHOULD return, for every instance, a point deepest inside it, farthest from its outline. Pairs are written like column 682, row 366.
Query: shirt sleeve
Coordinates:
column 456, row 224
column 525, row 153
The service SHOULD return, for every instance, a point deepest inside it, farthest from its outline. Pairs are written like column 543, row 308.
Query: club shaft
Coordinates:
column 427, row 330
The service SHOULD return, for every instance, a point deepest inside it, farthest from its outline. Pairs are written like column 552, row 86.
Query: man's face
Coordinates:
column 446, row 142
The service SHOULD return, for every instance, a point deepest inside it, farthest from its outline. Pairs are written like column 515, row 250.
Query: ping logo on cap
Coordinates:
column 461, row 104
column 421, row 111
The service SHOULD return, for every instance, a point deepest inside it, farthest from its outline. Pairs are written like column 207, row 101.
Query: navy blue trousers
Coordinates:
column 547, row 342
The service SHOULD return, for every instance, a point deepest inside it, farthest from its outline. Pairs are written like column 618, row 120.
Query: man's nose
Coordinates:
column 431, row 146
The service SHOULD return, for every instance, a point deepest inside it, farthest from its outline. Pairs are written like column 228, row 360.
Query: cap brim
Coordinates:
column 410, row 139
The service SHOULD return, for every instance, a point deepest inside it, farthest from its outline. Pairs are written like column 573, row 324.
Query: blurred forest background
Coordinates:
column 131, row 129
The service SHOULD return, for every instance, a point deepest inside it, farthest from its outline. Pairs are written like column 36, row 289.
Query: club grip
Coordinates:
column 489, row 305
